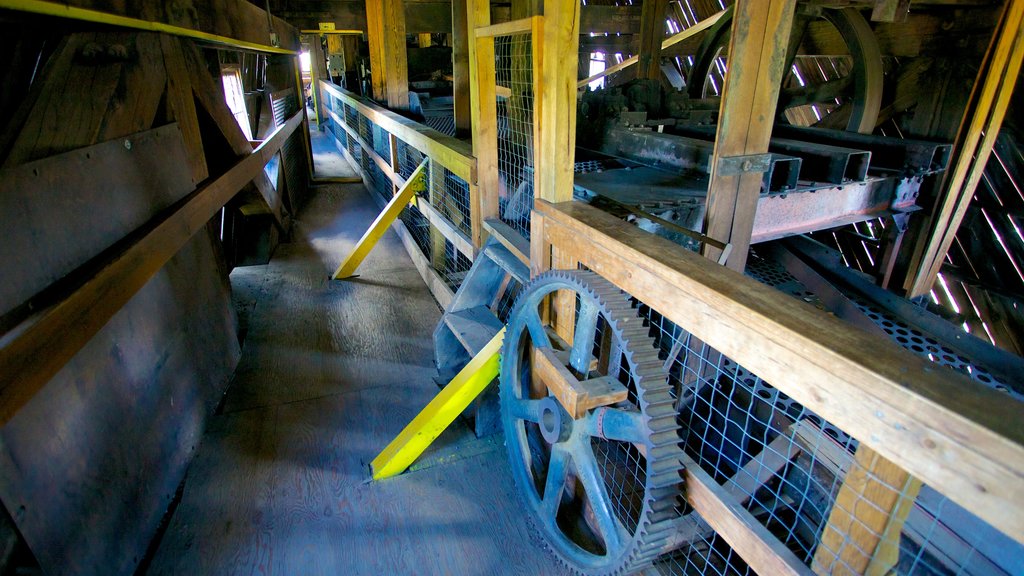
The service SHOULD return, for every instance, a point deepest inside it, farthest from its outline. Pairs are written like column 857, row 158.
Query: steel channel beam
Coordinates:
column 825, row 163
column 694, row 152
column 916, row 156
column 804, row 211
column 831, row 164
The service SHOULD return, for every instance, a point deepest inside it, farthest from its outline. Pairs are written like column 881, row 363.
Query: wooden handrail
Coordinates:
column 955, row 435
column 38, row 347
column 451, row 153
column 667, row 43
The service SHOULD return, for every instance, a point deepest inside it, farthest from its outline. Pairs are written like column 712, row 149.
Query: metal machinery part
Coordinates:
column 866, row 75
column 602, row 487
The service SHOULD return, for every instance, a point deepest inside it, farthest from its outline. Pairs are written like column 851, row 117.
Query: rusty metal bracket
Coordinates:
column 736, row 165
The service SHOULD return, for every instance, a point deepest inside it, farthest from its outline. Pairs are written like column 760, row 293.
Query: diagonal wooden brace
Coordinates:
column 440, row 412
column 415, row 184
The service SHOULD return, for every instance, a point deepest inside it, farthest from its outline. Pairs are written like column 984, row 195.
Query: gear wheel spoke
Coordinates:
column 558, row 466
column 599, row 481
column 583, row 340
column 612, row 531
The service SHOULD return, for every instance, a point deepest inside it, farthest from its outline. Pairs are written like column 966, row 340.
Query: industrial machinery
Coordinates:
column 600, row 420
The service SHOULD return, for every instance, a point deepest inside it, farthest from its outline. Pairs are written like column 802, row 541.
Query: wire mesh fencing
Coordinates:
column 513, row 72
column 835, row 503
column 370, row 144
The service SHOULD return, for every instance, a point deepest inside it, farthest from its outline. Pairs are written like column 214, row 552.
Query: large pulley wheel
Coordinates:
column 590, row 427
column 861, row 86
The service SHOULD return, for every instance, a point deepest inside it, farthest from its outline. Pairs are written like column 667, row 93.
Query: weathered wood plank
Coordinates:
column 35, row 350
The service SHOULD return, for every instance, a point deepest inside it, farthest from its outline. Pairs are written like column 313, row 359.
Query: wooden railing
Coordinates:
column 924, row 423
column 453, row 217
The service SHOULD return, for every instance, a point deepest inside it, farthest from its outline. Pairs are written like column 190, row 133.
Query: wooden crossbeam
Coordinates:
column 667, row 43
column 415, row 184
column 33, row 351
column 440, row 412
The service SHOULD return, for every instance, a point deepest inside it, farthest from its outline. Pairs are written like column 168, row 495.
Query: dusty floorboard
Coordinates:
column 328, row 161
column 330, row 372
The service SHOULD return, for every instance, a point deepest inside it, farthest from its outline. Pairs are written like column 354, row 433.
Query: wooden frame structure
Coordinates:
column 886, row 397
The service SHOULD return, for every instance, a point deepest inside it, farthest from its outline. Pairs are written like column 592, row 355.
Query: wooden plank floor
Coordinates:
column 330, row 372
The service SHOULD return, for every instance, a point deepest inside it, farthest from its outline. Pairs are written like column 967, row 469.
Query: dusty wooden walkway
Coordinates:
column 330, row 372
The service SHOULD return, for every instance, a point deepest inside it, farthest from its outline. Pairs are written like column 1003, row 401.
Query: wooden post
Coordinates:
column 555, row 100
column 424, row 40
column 863, row 530
column 460, row 67
column 385, row 22
column 554, row 128
column 978, row 131
column 483, row 111
column 652, row 32
column 757, row 56
column 319, row 72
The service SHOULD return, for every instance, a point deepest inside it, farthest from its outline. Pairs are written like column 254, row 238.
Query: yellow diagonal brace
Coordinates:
column 416, row 183
column 442, row 411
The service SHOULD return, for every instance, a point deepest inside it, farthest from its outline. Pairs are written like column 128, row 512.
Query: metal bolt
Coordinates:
column 127, row 144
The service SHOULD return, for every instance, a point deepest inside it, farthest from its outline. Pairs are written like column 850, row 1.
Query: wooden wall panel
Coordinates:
column 89, row 466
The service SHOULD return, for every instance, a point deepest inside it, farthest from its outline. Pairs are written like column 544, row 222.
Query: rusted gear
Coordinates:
column 602, row 489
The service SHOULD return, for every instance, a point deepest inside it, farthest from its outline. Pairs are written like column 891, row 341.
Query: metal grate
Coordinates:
column 514, row 77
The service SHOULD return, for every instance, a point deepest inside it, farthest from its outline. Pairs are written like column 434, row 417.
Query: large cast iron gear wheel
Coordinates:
column 602, row 488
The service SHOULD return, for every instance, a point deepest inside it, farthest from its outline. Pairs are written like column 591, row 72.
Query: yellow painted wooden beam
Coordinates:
column 415, row 183
column 60, row 10
column 440, row 412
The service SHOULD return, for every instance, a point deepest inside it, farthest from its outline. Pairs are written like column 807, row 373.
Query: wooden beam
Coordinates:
column 183, row 105
column 749, row 538
column 990, row 99
column 389, row 65
column 956, row 435
column 318, row 72
column 461, row 40
column 652, row 33
column 669, row 42
column 757, row 49
column 37, row 348
column 555, row 97
column 863, row 530
column 414, row 185
column 484, row 114
column 235, row 23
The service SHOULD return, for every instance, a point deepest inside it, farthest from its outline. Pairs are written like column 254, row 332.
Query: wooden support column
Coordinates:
column 652, row 32
column 757, row 57
column 978, row 131
column 389, row 66
column 424, row 40
column 319, row 72
column 555, row 45
column 483, row 111
column 863, row 530
column 555, row 104
column 460, row 67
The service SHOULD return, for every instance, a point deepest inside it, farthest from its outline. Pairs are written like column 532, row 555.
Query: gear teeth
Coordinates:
column 664, row 485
